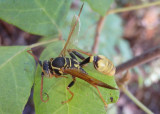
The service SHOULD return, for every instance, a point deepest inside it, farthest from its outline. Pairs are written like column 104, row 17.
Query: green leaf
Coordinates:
column 16, row 78
column 100, row 6
column 41, row 17
column 86, row 98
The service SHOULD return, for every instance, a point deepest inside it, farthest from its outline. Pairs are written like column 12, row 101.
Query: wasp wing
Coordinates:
column 74, row 31
column 87, row 78
column 74, row 38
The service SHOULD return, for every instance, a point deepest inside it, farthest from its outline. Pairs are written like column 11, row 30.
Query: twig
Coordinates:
column 135, row 100
column 145, row 57
column 102, row 18
column 133, row 7
column 121, row 82
column 98, row 31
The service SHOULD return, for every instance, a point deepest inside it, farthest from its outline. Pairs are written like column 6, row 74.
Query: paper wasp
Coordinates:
column 62, row 65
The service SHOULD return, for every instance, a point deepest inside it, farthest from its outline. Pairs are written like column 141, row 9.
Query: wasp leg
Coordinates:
column 71, row 32
column 85, row 60
column 55, row 75
column 42, row 75
column 41, row 92
column 75, row 51
column 101, row 96
column 72, row 56
column 69, row 86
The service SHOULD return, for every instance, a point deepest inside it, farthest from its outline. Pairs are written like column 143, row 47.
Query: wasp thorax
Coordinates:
column 104, row 65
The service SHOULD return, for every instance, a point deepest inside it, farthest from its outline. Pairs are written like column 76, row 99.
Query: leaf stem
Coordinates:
column 135, row 100
column 133, row 8
column 43, row 43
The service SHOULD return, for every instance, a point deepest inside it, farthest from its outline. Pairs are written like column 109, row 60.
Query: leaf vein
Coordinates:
column 22, row 10
column 12, row 57
column 50, row 18
column 59, row 108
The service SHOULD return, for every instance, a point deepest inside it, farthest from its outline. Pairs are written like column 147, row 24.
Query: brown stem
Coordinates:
column 98, row 31
column 145, row 57
column 131, row 8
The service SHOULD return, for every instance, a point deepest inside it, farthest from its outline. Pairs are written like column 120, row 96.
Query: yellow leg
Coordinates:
column 72, row 94
column 80, row 51
column 105, row 104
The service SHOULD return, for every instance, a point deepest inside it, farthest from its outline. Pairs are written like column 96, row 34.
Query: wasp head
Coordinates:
column 46, row 69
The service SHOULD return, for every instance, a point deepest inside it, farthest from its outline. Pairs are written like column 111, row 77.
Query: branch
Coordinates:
column 133, row 8
column 141, row 59
column 98, row 31
column 102, row 18
column 135, row 100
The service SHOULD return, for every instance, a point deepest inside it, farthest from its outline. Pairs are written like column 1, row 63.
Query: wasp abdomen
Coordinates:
column 104, row 65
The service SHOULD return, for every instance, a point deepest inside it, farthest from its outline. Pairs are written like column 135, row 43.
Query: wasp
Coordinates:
column 62, row 65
